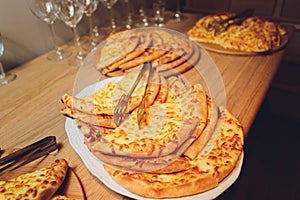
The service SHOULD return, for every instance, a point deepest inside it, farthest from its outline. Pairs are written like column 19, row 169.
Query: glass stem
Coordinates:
column 2, row 73
column 92, row 34
column 79, row 54
column 143, row 16
column 129, row 17
column 53, row 33
column 112, row 19
column 96, row 32
column 177, row 15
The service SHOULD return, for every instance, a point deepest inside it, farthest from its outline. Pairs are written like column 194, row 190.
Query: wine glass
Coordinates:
column 5, row 78
column 144, row 21
column 71, row 13
column 43, row 10
column 178, row 16
column 90, row 7
column 159, row 12
column 109, row 4
column 128, row 24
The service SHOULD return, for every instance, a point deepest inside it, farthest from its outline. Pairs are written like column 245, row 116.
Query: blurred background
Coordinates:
column 26, row 37
column 24, row 34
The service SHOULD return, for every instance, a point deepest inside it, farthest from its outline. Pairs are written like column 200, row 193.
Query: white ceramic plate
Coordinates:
column 95, row 165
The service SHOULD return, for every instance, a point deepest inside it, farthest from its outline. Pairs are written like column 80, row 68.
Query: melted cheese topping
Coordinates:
column 253, row 35
column 164, row 125
column 104, row 96
column 207, row 169
column 160, row 126
column 30, row 185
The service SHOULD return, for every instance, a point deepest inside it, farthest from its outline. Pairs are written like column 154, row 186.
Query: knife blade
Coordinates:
column 28, row 154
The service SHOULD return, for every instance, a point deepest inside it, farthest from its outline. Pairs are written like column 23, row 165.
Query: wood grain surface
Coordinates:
column 30, row 105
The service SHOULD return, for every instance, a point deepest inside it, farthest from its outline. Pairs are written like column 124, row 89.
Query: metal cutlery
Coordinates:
column 27, row 154
column 141, row 108
column 121, row 108
column 219, row 26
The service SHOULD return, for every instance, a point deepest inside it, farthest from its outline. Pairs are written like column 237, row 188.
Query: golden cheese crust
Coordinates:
column 153, row 45
column 253, row 35
column 211, row 166
column 61, row 197
column 203, row 136
column 40, row 184
column 102, row 102
column 115, row 47
column 97, row 109
column 165, row 127
column 183, row 147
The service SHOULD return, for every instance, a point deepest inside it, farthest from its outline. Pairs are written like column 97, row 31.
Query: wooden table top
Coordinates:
column 30, row 105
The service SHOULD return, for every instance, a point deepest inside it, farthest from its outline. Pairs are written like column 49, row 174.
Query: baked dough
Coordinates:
column 254, row 34
column 165, row 127
column 210, row 167
column 38, row 185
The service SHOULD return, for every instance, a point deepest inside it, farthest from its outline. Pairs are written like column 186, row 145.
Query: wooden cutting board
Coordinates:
column 71, row 186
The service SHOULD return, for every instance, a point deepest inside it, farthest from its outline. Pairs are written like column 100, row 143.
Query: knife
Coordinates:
column 221, row 26
column 28, row 154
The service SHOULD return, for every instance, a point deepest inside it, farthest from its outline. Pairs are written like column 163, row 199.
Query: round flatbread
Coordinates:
column 189, row 53
column 199, row 31
column 165, row 128
column 208, row 169
column 115, row 47
column 167, row 58
column 128, row 57
column 40, row 184
column 151, row 165
column 205, row 135
column 159, row 46
column 103, row 101
column 252, row 35
column 148, row 56
column 141, row 48
column 94, row 120
column 178, row 161
column 184, row 66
